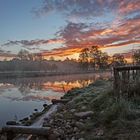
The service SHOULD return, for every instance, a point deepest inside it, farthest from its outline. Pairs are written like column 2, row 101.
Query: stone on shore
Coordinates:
column 11, row 123
column 83, row 115
column 63, row 101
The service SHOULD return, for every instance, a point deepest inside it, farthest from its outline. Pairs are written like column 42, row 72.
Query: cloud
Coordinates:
column 6, row 54
column 81, row 35
column 33, row 42
column 61, row 52
column 73, row 7
column 107, row 23
column 129, row 6
column 88, row 8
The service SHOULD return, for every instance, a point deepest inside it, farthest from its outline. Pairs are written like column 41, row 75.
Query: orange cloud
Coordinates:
column 60, row 53
column 52, row 41
column 121, row 31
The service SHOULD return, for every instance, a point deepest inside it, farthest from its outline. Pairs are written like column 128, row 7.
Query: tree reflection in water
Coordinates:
column 50, row 87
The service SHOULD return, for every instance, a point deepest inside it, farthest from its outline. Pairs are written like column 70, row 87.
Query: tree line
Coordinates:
column 94, row 58
column 89, row 59
column 26, row 61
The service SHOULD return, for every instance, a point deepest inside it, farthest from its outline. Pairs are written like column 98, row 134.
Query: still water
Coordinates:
column 19, row 97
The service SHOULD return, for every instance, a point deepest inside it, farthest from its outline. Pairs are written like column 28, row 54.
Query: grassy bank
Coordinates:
column 107, row 116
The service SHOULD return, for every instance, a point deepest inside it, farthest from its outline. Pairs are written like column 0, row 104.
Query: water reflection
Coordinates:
column 55, row 83
column 44, row 88
column 20, row 96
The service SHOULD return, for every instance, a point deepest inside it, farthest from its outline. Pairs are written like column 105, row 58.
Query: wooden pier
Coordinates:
column 126, row 80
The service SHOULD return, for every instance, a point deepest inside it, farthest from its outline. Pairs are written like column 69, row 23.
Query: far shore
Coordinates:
column 17, row 74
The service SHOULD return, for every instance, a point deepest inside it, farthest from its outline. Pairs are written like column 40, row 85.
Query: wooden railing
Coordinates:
column 126, row 79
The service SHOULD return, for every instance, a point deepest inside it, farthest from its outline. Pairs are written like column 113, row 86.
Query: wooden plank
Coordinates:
column 125, row 77
column 122, row 68
column 26, row 130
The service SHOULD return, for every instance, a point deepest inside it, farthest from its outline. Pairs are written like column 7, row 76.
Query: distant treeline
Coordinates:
column 89, row 59
column 26, row 65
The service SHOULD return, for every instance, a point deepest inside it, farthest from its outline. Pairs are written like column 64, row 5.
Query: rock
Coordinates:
column 26, row 119
column 100, row 132
column 3, row 137
column 73, row 138
column 72, row 110
column 67, row 138
column 54, row 135
column 81, row 139
column 11, row 123
column 83, row 107
column 82, row 132
column 88, row 118
column 68, row 126
column 83, row 115
column 61, row 131
column 79, row 124
column 51, row 121
column 63, row 101
column 60, row 107
column 58, row 115
column 81, row 120
column 35, row 110
column 75, row 129
column 72, row 123
column 69, row 131
column 45, row 105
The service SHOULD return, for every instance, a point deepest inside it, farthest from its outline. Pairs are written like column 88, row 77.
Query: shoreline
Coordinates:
column 93, row 112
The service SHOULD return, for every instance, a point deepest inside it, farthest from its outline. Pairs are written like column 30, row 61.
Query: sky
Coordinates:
column 61, row 28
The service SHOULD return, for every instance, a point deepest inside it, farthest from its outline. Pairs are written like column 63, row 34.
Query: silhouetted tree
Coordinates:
column 23, row 55
column 118, row 60
column 94, row 55
column 38, row 57
column 98, row 58
column 104, row 60
column 84, row 59
column 51, row 58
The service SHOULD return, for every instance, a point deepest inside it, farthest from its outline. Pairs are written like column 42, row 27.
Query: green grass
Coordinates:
column 114, row 115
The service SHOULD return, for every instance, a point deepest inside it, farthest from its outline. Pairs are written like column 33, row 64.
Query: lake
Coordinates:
column 19, row 97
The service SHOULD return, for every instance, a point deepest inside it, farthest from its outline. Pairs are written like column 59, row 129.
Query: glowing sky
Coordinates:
column 62, row 28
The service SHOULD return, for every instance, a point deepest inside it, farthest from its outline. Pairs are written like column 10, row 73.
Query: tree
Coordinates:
column 84, row 58
column 51, row 58
column 104, row 59
column 38, row 57
column 136, row 57
column 95, row 55
column 23, row 55
column 118, row 60
column 31, row 57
